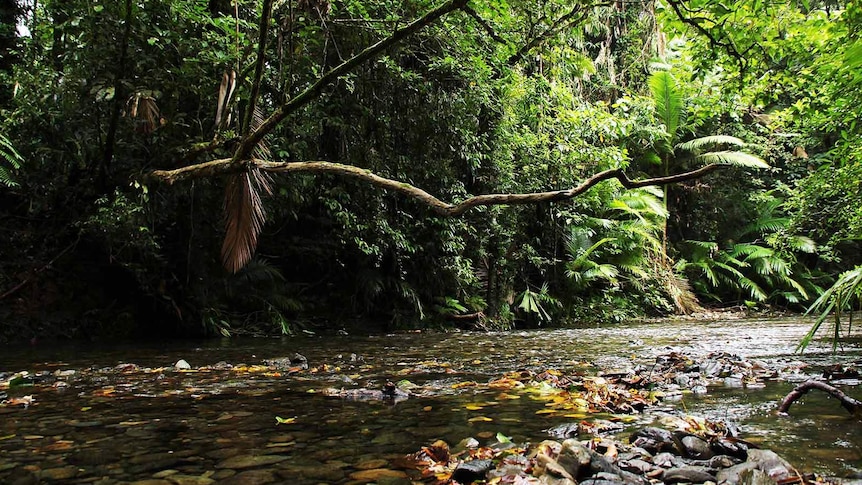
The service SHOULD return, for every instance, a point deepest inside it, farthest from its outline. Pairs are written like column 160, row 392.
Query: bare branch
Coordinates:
column 225, row 166
column 852, row 406
column 263, row 34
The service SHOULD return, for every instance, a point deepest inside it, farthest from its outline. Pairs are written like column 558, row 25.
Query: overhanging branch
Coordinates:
column 225, row 166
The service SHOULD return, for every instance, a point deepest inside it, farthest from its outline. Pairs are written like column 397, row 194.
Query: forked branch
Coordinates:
column 225, row 166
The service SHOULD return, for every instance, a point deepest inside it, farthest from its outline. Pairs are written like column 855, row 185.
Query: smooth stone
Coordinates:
column 376, row 474
column 636, row 465
column 688, row 474
column 575, row 458
column 668, row 460
column 191, row 480
column 727, row 447
column 251, row 477
column 654, row 440
column 182, row 365
column 732, row 475
column 91, row 456
column 564, row 431
column 321, row 472
column 223, row 453
column 250, row 461
column 165, row 473
column 223, row 474
column 62, row 473
column 696, row 448
column 755, row 477
column 369, row 464
column 772, row 464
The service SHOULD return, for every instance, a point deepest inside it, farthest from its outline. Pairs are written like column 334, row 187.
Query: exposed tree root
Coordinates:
column 853, row 406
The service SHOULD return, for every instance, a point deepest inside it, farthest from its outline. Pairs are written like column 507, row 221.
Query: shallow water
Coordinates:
column 135, row 424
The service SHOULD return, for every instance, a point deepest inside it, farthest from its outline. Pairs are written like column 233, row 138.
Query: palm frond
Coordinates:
column 838, row 298
column 244, row 217
column 740, row 159
column 710, row 142
column 668, row 100
column 9, row 155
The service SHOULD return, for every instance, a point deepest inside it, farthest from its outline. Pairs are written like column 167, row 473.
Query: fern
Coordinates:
column 8, row 156
column 740, row 159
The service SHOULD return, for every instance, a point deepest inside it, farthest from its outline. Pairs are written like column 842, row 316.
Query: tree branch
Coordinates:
column 310, row 93
column 263, row 34
column 226, row 166
column 853, row 406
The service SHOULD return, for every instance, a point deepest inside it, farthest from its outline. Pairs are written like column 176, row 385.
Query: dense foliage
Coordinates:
column 496, row 97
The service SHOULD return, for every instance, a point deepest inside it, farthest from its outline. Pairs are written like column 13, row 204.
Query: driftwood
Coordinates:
column 853, row 406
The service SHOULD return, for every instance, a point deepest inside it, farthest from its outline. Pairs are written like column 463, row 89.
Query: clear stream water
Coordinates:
column 106, row 424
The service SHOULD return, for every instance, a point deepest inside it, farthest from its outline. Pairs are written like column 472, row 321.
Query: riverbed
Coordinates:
column 124, row 412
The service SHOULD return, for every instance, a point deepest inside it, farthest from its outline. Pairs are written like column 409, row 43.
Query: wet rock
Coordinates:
column 251, row 477
column 470, row 471
column 668, row 460
column 654, row 440
column 599, row 481
column 722, row 461
column 369, row 464
column 376, row 474
column 62, row 473
column 687, row 474
column 182, row 365
column 297, row 360
column 323, row 473
column 564, row 431
column 772, row 464
column 731, row 476
column 250, row 461
column 91, row 457
column 192, row 480
column 696, row 447
column 736, row 449
column 755, row 477
column 636, row 465
column 575, row 458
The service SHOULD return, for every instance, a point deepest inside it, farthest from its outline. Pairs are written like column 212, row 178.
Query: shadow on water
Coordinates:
column 138, row 423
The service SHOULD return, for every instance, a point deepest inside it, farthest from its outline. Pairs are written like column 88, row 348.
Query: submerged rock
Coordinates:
column 470, row 471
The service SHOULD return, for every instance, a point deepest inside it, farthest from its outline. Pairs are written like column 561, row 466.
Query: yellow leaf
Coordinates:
column 281, row 420
column 460, row 385
column 86, row 408
column 547, row 411
column 427, row 408
column 474, row 407
column 483, row 419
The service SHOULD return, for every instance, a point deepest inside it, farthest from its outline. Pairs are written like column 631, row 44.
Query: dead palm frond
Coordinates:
column 225, row 95
column 144, row 111
column 244, row 217
column 243, row 207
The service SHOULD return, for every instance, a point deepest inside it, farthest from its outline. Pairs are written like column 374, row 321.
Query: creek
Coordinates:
column 94, row 420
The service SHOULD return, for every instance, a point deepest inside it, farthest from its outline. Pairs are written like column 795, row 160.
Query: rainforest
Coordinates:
column 273, row 167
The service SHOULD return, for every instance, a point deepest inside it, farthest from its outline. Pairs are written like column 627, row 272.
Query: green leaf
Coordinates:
column 740, row 159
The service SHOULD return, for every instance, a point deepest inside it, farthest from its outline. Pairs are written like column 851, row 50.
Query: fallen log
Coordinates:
column 852, row 406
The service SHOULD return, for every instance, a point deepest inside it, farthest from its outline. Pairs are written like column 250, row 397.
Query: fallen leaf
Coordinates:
column 285, row 420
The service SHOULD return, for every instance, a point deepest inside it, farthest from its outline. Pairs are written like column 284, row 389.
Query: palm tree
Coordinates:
column 673, row 154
